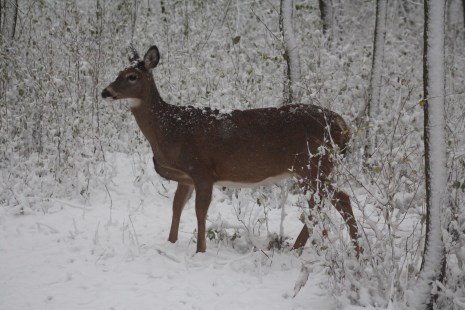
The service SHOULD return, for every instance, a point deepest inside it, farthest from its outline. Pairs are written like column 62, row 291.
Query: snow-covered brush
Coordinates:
column 133, row 54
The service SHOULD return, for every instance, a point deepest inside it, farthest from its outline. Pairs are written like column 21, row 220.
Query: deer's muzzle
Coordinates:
column 106, row 94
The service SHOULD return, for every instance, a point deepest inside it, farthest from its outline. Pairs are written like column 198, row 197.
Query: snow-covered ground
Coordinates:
column 112, row 253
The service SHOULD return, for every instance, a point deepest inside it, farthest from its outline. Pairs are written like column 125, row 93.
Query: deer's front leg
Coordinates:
column 203, row 192
column 182, row 195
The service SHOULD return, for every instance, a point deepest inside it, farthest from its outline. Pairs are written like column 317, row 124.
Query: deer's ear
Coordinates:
column 151, row 58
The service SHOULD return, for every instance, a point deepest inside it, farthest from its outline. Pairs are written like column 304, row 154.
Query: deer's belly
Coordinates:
column 245, row 183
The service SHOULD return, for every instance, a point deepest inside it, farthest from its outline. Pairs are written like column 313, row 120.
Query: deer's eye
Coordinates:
column 131, row 77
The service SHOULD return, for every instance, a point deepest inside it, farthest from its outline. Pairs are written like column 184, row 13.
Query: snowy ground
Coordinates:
column 112, row 253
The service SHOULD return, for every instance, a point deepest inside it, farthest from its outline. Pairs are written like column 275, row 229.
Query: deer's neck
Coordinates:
column 148, row 114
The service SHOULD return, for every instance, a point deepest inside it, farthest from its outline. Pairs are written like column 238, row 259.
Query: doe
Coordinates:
column 200, row 148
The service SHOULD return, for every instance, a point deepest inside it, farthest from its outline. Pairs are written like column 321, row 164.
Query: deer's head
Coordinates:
column 135, row 81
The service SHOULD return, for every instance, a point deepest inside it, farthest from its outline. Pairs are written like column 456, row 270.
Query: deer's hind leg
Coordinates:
column 304, row 233
column 339, row 199
column 307, row 185
column 341, row 202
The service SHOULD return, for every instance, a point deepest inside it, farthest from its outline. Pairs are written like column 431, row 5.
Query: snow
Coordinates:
column 113, row 254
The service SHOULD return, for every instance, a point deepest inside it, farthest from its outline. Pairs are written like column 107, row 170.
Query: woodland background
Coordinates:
column 57, row 134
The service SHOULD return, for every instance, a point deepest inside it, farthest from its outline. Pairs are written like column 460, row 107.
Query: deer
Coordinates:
column 200, row 148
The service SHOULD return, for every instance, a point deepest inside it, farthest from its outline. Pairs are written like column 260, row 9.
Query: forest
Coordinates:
column 85, row 218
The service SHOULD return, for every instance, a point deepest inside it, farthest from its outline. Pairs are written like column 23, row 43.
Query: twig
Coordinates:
column 53, row 230
column 260, row 20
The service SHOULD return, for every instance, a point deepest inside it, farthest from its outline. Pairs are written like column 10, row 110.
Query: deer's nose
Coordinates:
column 105, row 94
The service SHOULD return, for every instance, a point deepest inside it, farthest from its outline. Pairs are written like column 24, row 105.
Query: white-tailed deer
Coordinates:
column 200, row 148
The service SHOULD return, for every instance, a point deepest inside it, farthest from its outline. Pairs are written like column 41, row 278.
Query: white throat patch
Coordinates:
column 135, row 103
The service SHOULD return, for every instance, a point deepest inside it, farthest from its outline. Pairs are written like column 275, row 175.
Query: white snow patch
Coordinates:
column 113, row 254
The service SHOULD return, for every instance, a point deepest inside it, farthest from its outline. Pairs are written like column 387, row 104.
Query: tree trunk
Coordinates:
column 291, row 52
column 463, row 8
column 10, row 17
column 1, row 19
column 135, row 7
column 157, row 10
column 435, row 152
column 326, row 13
column 374, row 91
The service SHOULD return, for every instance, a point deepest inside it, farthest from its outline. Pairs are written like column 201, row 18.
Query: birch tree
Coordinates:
column 291, row 52
column 435, row 153
column 374, row 91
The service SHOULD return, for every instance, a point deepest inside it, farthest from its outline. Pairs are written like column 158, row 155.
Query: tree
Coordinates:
column 8, row 18
column 435, row 152
column 159, row 10
column 291, row 52
column 326, row 13
column 463, row 8
column 374, row 91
